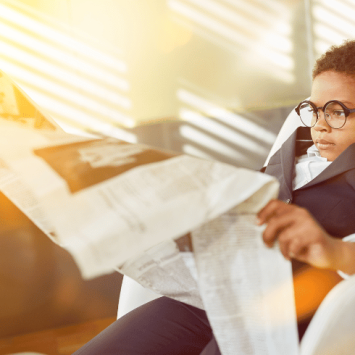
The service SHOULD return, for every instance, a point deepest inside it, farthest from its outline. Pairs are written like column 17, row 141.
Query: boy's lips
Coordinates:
column 323, row 144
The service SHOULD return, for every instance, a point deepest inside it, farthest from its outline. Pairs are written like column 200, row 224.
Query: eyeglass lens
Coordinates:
column 334, row 115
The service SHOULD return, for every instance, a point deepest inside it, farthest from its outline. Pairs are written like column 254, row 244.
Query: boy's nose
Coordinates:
column 321, row 123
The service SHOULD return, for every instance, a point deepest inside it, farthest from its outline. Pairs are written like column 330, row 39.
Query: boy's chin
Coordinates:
column 331, row 156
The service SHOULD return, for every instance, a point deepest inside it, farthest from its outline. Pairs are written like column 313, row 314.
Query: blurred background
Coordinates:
column 225, row 73
column 211, row 78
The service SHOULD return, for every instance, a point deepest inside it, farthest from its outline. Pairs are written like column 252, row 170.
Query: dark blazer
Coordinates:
column 330, row 197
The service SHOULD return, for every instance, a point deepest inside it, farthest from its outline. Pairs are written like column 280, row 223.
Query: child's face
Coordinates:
column 333, row 86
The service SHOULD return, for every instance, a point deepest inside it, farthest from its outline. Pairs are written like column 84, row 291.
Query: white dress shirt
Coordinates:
column 308, row 166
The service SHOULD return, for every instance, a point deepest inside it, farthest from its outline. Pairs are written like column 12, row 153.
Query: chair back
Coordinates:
column 291, row 123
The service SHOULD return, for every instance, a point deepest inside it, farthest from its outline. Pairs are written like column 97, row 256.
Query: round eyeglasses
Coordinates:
column 335, row 113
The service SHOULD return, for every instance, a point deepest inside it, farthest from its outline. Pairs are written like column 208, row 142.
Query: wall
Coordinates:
column 110, row 65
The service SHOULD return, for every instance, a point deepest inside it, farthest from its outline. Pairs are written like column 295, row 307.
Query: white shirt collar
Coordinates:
column 312, row 151
column 308, row 166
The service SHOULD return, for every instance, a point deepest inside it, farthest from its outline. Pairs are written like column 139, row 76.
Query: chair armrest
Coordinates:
column 133, row 295
column 331, row 331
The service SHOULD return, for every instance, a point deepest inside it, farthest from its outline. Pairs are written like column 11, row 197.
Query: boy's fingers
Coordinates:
column 272, row 209
column 299, row 235
column 276, row 226
column 284, row 248
column 296, row 248
column 265, row 213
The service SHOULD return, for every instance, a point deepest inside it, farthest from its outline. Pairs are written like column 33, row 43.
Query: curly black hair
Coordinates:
column 340, row 59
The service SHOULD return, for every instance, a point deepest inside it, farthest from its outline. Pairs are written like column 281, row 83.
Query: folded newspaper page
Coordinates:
column 246, row 288
column 106, row 200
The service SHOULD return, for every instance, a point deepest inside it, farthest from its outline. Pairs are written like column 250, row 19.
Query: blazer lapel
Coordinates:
column 345, row 162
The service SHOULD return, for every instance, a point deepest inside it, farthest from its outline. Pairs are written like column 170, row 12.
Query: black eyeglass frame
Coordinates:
column 347, row 111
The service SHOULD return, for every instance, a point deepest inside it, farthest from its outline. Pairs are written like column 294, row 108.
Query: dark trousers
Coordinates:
column 160, row 327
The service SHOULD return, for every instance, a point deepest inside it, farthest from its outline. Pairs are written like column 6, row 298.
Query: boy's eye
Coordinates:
column 311, row 110
column 339, row 113
column 335, row 113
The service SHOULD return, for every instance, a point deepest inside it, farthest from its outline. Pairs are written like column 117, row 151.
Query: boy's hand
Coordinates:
column 299, row 235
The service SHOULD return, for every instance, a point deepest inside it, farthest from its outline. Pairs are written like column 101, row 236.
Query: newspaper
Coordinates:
column 113, row 205
column 107, row 201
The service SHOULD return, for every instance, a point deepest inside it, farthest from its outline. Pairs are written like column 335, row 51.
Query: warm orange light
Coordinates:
column 311, row 285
